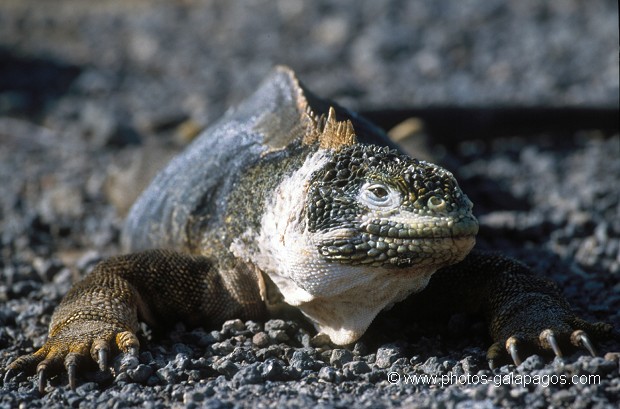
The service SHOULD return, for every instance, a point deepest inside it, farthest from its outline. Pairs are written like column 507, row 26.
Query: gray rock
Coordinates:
column 386, row 356
column 261, row 339
column 327, row 373
column 305, row 359
column 141, row 373
column 356, row 367
column 226, row 367
column 340, row 357
column 233, row 326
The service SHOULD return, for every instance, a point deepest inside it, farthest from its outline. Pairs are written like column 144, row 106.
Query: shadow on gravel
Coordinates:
column 29, row 85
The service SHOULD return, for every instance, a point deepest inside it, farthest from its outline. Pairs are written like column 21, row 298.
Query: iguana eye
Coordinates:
column 379, row 191
column 378, row 195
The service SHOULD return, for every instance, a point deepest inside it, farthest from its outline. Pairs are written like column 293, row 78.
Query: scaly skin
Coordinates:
column 278, row 202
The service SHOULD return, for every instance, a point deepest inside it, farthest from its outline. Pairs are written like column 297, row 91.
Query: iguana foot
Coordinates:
column 74, row 346
column 561, row 336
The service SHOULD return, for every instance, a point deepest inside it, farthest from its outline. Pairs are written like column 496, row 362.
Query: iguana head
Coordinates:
column 371, row 206
column 359, row 228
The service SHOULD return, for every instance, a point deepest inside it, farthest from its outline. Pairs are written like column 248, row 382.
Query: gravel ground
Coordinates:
column 94, row 97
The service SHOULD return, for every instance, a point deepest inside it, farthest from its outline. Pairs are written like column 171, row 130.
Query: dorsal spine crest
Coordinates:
column 329, row 132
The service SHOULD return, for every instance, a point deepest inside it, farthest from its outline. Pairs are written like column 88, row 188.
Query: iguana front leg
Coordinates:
column 99, row 316
column 525, row 313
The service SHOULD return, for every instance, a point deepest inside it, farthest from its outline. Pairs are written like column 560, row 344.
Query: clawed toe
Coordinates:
column 513, row 350
column 42, row 378
column 548, row 340
column 10, row 374
column 102, row 359
column 72, row 361
column 519, row 346
column 580, row 339
column 100, row 352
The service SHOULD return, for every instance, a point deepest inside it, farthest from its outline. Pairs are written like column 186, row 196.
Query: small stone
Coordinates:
column 272, row 369
column 167, row 374
column 278, row 335
column 304, row 359
column 181, row 362
column 273, row 325
column 253, row 327
column 356, row 367
column 233, row 326
column 272, row 351
column 386, row 356
column 248, row 375
column 261, row 339
column 340, row 357
column 141, row 373
column 327, row 374
column 226, row 367
column 223, row 348
column 125, row 362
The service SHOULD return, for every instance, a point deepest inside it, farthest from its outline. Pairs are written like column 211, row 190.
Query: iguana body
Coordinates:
column 288, row 201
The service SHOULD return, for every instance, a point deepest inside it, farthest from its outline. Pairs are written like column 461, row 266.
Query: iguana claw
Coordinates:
column 547, row 338
column 10, row 374
column 580, row 338
column 72, row 362
column 100, row 352
column 102, row 359
column 42, row 379
column 511, row 346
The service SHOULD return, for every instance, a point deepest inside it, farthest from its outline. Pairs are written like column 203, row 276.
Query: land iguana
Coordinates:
column 290, row 200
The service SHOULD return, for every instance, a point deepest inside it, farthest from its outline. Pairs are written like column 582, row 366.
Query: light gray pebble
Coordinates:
column 253, row 326
column 141, row 373
column 277, row 324
column 327, row 373
column 222, row 348
column 340, row 357
column 181, row 361
column 278, row 335
column 261, row 339
column 168, row 374
column 304, row 359
column 531, row 363
column 124, row 362
column 386, row 356
column 226, row 367
column 248, row 375
column 233, row 326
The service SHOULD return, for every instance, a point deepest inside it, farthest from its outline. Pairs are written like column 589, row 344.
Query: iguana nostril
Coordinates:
column 436, row 204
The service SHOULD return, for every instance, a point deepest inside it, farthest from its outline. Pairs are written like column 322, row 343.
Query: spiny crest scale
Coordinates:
column 329, row 132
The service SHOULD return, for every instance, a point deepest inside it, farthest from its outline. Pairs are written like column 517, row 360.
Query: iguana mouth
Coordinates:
column 389, row 243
